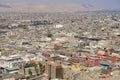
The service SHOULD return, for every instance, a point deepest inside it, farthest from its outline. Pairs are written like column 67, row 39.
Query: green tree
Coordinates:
column 40, row 65
column 41, row 68
column 35, row 65
column 30, row 72
column 37, row 71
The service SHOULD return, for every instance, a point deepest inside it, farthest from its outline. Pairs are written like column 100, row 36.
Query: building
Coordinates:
column 11, row 64
column 54, row 70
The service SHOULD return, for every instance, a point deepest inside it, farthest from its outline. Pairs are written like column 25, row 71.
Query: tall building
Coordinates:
column 54, row 70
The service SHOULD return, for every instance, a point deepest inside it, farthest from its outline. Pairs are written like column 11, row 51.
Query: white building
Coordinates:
column 11, row 62
column 58, row 26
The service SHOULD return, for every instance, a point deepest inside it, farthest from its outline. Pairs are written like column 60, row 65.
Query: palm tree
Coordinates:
column 30, row 72
column 23, row 68
column 41, row 68
column 36, row 70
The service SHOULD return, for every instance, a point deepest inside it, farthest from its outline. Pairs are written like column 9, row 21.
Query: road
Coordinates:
column 75, row 75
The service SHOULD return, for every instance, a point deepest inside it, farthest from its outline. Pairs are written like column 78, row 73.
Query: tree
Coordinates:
column 30, row 72
column 41, row 68
column 23, row 68
column 35, row 65
column 49, row 35
column 37, row 71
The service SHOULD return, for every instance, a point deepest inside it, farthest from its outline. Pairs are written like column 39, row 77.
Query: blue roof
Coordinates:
column 104, row 64
column 27, row 65
column 34, row 53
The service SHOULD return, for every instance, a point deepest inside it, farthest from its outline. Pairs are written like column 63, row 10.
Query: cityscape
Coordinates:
column 59, row 40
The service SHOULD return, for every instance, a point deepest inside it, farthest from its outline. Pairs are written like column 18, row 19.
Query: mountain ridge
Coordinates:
column 45, row 7
column 5, row 6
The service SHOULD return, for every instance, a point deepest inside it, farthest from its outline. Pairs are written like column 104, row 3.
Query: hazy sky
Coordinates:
column 96, row 4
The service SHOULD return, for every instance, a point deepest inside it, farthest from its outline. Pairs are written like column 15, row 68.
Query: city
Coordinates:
column 83, row 45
